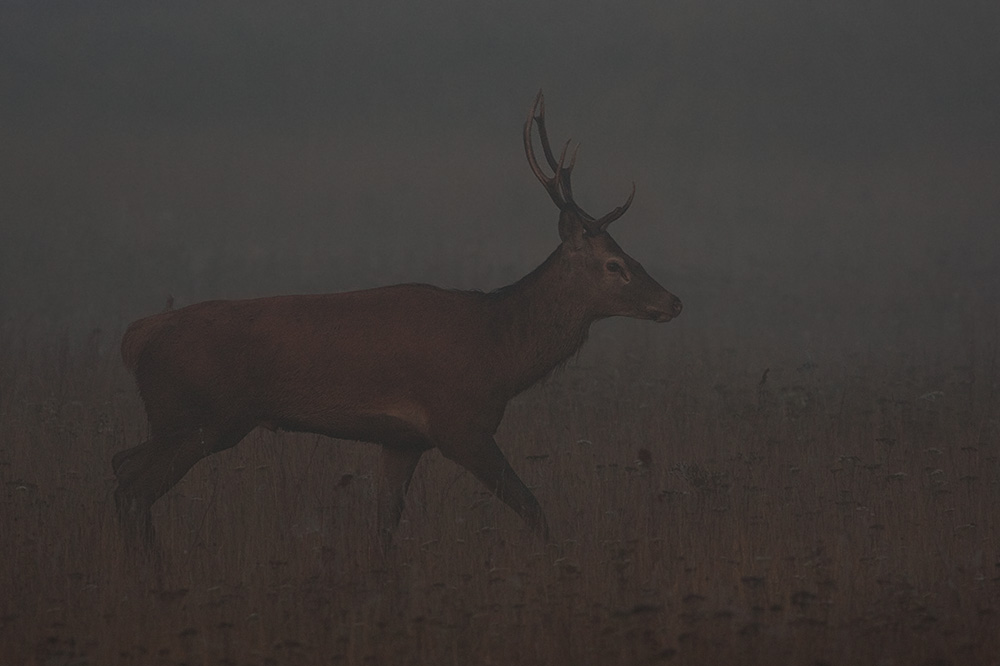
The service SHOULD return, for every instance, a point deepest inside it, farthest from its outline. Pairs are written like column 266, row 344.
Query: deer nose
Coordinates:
column 676, row 306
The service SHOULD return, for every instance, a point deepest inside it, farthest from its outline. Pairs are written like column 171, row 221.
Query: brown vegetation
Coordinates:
column 709, row 504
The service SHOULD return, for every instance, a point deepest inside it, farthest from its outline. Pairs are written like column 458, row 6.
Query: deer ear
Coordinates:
column 571, row 229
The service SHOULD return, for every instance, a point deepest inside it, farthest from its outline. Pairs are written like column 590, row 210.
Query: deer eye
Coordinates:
column 615, row 267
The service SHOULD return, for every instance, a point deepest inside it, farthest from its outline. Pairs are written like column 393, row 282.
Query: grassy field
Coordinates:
column 709, row 504
column 803, row 468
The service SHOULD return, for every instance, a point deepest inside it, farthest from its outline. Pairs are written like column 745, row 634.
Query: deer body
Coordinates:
column 409, row 367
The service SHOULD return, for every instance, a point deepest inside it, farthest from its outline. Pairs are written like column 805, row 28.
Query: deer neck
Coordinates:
column 543, row 320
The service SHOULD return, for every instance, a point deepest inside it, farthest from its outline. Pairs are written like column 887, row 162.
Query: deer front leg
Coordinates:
column 397, row 470
column 483, row 457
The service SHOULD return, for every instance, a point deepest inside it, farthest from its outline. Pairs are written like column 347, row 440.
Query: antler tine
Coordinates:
column 564, row 177
column 603, row 223
column 529, row 150
column 543, row 135
column 551, row 184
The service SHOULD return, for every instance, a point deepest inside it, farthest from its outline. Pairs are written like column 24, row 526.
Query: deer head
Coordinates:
column 615, row 283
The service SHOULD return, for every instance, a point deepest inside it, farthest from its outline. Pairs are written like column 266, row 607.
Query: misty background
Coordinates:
column 806, row 172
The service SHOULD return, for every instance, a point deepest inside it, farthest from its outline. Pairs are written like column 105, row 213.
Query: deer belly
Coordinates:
column 401, row 424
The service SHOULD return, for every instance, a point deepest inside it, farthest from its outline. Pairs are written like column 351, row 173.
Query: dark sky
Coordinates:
column 808, row 153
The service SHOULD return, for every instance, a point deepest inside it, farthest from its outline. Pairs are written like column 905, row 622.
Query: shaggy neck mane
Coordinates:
column 542, row 321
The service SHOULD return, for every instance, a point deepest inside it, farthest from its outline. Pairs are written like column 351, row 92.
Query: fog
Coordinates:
column 805, row 172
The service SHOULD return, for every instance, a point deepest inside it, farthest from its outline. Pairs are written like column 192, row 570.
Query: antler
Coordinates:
column 558, row 185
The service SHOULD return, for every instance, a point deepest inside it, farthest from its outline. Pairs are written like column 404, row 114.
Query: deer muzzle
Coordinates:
column 670, row 309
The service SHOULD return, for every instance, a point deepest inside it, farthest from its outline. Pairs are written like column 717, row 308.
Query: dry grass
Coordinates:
column 840, row 511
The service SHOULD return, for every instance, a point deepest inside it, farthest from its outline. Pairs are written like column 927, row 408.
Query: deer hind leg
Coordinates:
column 484, row 458
column 147, row 471
column 397, row 470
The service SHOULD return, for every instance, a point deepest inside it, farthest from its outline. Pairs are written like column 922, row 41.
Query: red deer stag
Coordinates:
column 409, row 367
